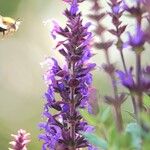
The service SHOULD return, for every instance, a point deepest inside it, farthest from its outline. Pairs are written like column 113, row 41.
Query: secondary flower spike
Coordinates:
column 128, row 80
column 71, row 83
column 20, row 140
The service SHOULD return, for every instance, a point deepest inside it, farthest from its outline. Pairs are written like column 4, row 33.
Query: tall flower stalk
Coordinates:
column 117, row 99
column 137, row 87
column 116, row 13
column 136, row 80
column 71, row 82
column 137, row 42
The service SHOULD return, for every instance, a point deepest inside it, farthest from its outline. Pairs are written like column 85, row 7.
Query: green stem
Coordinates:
column 125, row 69
column 118, row 117
column 72, row 112
column 117, row 109
column 139, row 94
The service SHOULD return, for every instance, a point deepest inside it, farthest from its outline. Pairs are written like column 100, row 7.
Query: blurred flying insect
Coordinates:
column 9, row 25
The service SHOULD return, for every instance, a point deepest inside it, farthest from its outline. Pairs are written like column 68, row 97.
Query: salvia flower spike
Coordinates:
column 71, row 82
column 117, row 99
column 20, row 140
column 137, row 83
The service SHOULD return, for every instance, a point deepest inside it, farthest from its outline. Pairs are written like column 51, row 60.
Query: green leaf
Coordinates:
column 147, row 100
column 88, row 117
column 105, row 114
column 146, row 118
column 135, row 131
column 95, row 140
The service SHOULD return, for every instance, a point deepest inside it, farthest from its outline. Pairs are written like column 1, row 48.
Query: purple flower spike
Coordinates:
column 20, row 140
column 127, row 80
column 68, row 85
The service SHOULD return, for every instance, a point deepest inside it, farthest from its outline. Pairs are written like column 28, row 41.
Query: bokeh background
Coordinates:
column 21, row 83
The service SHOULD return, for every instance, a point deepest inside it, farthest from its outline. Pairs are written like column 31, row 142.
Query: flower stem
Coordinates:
column 125, row 69
column 117, row 109
column 138, row 67
column 118, row 117
column 72, row 123
column 72, row 113
column 123, row 61
column 139, row 100
column 133, row 103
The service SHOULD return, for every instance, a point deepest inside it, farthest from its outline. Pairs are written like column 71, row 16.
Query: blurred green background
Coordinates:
column 21, row 84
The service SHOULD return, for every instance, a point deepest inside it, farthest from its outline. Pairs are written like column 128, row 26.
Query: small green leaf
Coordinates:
column 105, row 114
column 133, row 128
column 135, row 131
column 95, row 140
column 145, row 117
column 147, row 100
column 88, row 117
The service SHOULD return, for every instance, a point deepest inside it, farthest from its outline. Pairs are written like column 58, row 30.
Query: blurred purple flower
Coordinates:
column 127, row 80
column 55, row 30
column 145, row 79
column 116, row 9
column 115, row 6
column 20, row 140
column 74, row 7
column 138, row 39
